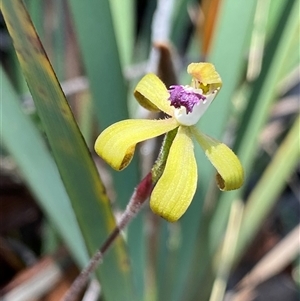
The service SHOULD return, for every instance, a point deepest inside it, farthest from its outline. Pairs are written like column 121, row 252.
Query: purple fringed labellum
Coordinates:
column 186, row 97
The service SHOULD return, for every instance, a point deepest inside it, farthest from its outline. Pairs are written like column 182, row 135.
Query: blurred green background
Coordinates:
column 51, row 191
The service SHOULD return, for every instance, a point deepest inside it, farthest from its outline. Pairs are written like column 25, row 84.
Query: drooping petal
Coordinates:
column 152, row 94
column 206, row 74
column 116, row 144
column 175, row 189
column 230, row 171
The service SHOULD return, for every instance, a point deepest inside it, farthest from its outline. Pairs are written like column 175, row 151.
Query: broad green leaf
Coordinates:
column 26, row 146
column 262, row 96
column 266, row 192
column 100, row 56
column 124, row 28
column 181, row 22
column 78, row 172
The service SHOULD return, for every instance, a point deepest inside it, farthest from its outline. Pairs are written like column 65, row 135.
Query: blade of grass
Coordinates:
column 25, row 144
column 181, row 24
column 226, row 257
column 276, row 7
column 124, row 28
column 261, row 97
column 60, row 39
column 264, row 89
column 100, row 56
column 101, row 59
column 36, row 8
column 266, row 192
column 275, row 261
column 255, row 116
column 73, row 159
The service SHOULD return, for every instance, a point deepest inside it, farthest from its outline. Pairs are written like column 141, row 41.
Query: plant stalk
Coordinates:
column 138, row 198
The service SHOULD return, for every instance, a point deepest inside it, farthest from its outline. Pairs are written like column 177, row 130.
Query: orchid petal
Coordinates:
column 175, row 189
column 152, row 94
column 206, row 74
column 116, row 144
column 230, row 171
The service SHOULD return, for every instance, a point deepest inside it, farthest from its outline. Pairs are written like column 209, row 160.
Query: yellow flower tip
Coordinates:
column 231, row 183
column 230, row 174
column 230, row 171
column 168, row 214
column 152, row 94
column 172, row 205
column 127, row 158
column 220, row 181
column 144, row 101
column 105, row 149
column 206, row 76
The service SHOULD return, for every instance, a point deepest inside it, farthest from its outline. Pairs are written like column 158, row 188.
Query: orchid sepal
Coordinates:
column 116, row 144
column 230, row 174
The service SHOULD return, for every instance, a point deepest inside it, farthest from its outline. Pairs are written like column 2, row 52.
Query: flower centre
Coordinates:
column 190, row 103
column 187, row 97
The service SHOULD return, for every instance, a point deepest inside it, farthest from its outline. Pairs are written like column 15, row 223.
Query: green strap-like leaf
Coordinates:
column 263, row 94
column 26, row 146
column 73, row 159
column 263, row 197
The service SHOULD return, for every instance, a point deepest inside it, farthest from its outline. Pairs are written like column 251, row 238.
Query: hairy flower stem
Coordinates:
column 160, row 163
column 140, row 195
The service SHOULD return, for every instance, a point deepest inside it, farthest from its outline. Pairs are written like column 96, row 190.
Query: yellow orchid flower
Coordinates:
column 184, row 105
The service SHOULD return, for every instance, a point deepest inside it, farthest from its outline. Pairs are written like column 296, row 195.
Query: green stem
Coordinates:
column 160, row 163
column 140, row 195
